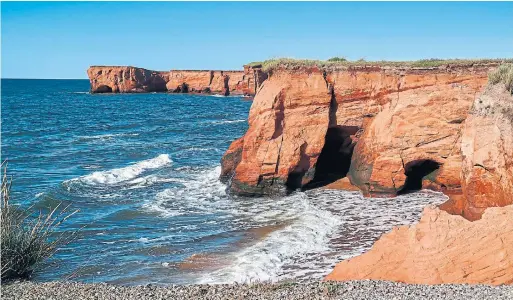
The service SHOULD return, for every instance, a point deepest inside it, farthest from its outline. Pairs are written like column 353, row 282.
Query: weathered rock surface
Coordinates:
column 416, row 137
column 441, row 248
column 285, row 134
column 109, row 79
column 487, row 149
column 444, row 248
column 126, row 80
column 387, row 129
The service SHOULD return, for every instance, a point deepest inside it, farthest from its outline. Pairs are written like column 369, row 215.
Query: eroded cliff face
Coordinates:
column 137, row 80
column 441, row 248
column 444, row 248
column 487, row 149
column 389, row 130
column 126, row 80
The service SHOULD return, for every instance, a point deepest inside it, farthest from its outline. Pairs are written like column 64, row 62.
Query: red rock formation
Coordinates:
column 403, row 124
column 444, row 248
column 126, row 80
column 231, row 159
column 415, row 138
column 441, row 248
column 487, row 148
column 133, row 80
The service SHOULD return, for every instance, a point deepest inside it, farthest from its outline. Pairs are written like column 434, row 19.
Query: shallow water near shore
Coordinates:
column 143, row 170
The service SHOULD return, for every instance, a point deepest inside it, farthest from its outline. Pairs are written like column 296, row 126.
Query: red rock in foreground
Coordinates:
column 441, row 248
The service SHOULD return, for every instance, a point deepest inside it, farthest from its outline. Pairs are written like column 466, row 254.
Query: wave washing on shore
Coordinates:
column 152, row 209
column 316, row 224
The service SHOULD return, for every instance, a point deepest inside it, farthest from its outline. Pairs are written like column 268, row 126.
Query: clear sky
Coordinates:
column 60, row 40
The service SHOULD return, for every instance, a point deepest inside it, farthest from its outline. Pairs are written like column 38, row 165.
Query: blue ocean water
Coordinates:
column 143, row 171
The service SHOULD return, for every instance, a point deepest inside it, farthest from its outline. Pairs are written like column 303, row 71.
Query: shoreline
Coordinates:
column 365, row 289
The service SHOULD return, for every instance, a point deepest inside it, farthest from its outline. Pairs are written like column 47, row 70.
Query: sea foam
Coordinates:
column 115, row 176
column 308, row 233
column 229, row 121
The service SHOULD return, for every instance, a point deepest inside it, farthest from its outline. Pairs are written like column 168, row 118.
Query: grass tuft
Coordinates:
column 503, row 74
column 336, row 58
column 27, row 239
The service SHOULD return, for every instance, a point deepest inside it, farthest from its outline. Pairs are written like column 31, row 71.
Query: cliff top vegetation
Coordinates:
column 503, row 74
column 342, row 63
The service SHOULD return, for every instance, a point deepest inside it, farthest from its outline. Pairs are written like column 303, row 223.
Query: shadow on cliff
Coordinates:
column 415, row 172
column 335, row 158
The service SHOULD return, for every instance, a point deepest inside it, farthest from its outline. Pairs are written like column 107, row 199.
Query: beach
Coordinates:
column 368, row 289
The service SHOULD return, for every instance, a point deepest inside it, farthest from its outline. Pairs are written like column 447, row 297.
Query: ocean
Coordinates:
column 143, row 171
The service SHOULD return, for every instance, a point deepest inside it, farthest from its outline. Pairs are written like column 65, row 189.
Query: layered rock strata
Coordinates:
column 110, row 79
column 389, row 130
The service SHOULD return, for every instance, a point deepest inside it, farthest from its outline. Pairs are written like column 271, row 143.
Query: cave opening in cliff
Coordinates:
column 104, row 89
column 335, row 158
column 415, row 172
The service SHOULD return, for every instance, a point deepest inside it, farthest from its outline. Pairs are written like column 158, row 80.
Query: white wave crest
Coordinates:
column 223, row 96
column 201, row 192
column 115, row 176
column 105, row 136
column 229, row 121
column 202, row 149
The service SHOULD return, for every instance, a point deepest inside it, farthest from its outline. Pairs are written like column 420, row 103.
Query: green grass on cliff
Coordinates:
column 337, row 62
column 503, row 74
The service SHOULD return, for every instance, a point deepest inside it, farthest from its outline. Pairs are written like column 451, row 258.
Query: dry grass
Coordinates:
column 503, row 74
column 27, row 239
column 336, row 62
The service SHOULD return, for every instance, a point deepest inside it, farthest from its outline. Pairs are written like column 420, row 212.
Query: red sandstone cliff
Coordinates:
column 445, row 248
column 391, row 131
column 388, row 129
column 109, row 79
column 126, row 80
column 487, row 148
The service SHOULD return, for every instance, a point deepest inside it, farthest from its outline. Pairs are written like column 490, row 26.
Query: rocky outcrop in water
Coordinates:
column 388, row 129
column 126, row 80
column 441, row 248
column 109, row 79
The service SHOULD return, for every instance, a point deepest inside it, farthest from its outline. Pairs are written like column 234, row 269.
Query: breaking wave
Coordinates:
column 308, row 233
column 115, row 176
column 199, row 191
column 228, row 121
column 103, row 137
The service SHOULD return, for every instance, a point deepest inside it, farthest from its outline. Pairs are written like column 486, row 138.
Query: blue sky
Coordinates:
column 61, row 39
